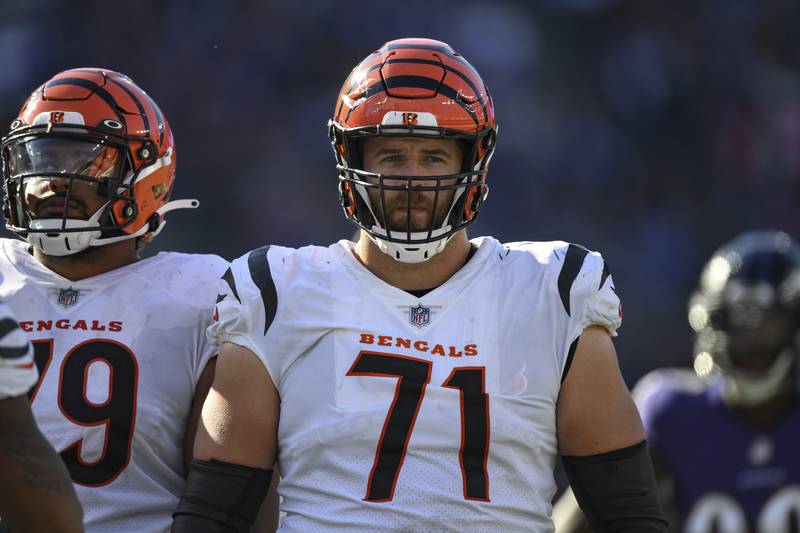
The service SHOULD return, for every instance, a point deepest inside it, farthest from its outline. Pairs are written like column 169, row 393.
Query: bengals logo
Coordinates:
column 56, row 117
column 410, row 119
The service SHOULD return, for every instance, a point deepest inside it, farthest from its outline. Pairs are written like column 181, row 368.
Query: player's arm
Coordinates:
column 200, row 393
column 234, row 448
column 36, row 492
column 601, row 438
column 568, row 517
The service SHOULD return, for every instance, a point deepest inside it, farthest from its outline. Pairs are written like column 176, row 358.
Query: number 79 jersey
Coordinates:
column 119, row 356
column 401, row 413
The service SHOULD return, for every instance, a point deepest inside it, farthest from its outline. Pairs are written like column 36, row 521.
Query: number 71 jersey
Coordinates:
column 401, row 413
column 119, row 356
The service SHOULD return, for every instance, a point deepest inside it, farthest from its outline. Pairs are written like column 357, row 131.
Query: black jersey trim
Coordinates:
column 573, row 261
column 7, row 325
column 604, row 276
column 570, row 356
column 228, row 277
column 258, row 263
column 13, row 352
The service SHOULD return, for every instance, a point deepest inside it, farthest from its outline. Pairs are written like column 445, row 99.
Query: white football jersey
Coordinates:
column 416, row 414
column 119, row 356
column 17, row 371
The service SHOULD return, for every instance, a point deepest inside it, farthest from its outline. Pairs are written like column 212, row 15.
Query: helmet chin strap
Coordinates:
column 51, row 241
column 742, row 389
column 409, row 253
column 56, row 243
column 169, row 206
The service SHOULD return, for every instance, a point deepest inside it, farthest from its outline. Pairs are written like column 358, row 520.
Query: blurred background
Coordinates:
column 650, row 131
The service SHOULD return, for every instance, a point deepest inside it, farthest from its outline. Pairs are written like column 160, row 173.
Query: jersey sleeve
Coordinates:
column 213, row 266
column 593, row 299
column 17, row 369
column 246, row 306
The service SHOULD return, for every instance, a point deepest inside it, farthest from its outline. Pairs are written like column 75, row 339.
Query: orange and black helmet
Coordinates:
column 82, row 119
column 419, row 88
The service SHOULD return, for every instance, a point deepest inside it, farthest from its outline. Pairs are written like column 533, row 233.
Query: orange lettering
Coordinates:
column 114, row 326
column 453, row 352
column 402, row 343
column 80, row 324
column 471, row 349
column 44, row 325
column 26, row 326
column 366, row 338
column 62, row 324
column 438, row 350
column 384, row 340
column 421, row 346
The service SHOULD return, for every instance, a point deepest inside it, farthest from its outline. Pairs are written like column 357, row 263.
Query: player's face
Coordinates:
column 412, row 156
column 50, row 196
column 754, row 349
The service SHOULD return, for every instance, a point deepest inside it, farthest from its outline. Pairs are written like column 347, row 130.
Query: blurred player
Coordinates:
column 745, row 476
column 725, row 439
column 36, row 493
column 417, row 380
column 88, row 169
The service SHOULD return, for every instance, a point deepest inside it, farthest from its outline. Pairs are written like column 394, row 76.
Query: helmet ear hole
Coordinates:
column 147, row 153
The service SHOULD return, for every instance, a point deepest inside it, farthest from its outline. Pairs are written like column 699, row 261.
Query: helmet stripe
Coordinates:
column 455, row 71
column 437, row 48
column 96, row 89
column 415, row 82
column 159, row 118
column 136, row 102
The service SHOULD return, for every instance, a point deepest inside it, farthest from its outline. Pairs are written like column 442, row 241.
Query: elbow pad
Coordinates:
column 220, row 498
column 617, row 490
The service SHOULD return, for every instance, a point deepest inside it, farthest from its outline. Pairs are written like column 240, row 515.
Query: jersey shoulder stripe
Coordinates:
column 258, row 264
column 231, row 281
column 13, row 345
column 7, row 325
column 573, row 261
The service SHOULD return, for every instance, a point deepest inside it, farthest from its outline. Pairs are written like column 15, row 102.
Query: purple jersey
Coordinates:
column 728, row 477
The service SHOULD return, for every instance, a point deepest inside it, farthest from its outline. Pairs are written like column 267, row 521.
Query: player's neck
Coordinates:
column 417, row 276
column 91, row 262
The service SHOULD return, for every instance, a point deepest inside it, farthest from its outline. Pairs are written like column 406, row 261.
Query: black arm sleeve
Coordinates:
column 617, row 490
column 220, row 498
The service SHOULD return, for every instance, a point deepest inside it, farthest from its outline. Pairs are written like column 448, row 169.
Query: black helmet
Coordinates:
column 746, row 314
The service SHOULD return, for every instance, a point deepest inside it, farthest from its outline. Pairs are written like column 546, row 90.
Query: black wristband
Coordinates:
column 220, row 498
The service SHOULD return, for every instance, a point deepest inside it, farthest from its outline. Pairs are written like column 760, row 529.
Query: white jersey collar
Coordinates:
column 488, row 249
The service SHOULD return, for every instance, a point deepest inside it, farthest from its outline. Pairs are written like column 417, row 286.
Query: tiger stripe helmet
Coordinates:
column 418, row 88
column 92, row 113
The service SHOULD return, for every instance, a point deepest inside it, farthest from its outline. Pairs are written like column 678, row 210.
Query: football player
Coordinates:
column 724, row 436
column 119, row 341
column 417, row 380
column 34, row 478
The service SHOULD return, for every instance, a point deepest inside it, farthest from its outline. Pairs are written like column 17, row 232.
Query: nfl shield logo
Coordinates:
column 67, row 297
column 420, row 315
